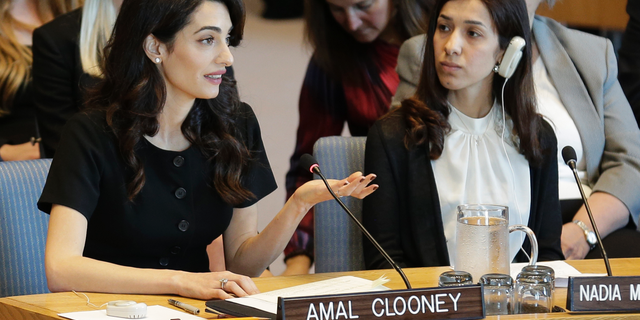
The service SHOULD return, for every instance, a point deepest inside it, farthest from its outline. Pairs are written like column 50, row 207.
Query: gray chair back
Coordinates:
column 23, row 228
column 338, row 241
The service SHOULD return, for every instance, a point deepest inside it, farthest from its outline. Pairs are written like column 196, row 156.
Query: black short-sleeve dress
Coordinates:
column 177, row 213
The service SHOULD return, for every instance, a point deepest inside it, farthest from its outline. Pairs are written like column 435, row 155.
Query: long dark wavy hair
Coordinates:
column 427, row 112
column 133, row 93
column 339, row 54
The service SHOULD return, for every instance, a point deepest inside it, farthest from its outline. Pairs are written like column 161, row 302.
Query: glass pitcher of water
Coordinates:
column 482, row 240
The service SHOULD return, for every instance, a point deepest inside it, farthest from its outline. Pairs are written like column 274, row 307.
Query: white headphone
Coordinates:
column 511, row 58
column 506, row 68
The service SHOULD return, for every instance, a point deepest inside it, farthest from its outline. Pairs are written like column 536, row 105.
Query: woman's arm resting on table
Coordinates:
column 610, row 215
column 67, row 269
column 250, row 253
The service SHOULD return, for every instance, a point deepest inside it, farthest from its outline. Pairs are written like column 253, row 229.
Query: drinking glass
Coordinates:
column 533, row 292
column 545, row 269
column 498, row 293
column 455, row 279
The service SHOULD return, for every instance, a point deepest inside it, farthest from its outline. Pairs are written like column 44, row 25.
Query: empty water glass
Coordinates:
column 455, row 279
column 545, row 269
column 533, row 293
column 498, row 293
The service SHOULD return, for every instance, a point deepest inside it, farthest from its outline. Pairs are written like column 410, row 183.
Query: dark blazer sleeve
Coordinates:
column 87, row 151
column 404, row 213
column 56, row 74
column 382, row 209
column 545, row 218
column 258, row 178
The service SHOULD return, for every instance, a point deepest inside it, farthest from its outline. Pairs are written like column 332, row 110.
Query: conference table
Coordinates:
column 48, row 306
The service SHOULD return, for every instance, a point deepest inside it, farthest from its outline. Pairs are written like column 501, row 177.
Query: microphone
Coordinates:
column 308, row 162
column 569, row 157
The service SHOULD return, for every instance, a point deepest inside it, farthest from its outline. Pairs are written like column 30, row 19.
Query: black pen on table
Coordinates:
column 184, row 306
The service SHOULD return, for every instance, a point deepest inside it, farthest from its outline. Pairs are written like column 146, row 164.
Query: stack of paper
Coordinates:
column 153, row 313
column 562, row 269
column 266, row 304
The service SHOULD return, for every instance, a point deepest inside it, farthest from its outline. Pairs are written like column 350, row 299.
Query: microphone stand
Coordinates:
column 572, row 165
column 316, row 170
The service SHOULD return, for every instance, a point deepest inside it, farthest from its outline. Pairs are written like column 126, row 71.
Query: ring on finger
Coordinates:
column 223, row 282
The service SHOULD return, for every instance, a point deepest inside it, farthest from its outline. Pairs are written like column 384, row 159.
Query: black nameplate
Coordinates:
column 430, row 303
column 610, row 294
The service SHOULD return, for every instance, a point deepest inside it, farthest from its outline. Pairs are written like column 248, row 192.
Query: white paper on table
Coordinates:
column 153, row 313
column 268, row 301
column 562, row 270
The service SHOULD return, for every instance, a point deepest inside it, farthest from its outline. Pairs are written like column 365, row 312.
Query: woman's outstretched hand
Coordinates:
column 356, row 185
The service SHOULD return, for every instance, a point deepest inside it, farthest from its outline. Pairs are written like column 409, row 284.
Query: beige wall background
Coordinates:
column 270, row 65
column 601, row 14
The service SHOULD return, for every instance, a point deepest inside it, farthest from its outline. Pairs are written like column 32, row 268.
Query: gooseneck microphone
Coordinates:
column 569, row 157
column 308, row 162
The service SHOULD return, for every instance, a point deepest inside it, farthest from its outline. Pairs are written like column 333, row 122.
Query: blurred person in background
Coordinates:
column 351, row 78
column 19, row 137
column 67, row 53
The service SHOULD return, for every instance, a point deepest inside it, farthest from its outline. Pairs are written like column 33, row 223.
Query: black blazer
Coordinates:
column 629, row 58
column 404, row 216
column 58, row 79
column 19, row 126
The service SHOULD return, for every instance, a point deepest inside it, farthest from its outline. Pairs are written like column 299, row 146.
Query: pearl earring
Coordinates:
column 158, row 60
column 496, row 68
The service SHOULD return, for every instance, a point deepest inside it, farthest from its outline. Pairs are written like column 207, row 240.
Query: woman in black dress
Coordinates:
column 167, row 160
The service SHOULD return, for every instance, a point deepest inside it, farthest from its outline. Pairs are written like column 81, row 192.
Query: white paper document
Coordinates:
column 268, row 301
column 562, row 270
column 153, row 313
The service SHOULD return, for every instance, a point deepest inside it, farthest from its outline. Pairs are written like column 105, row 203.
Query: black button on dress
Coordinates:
column 180, row 193
column 183, row 225
column 178, row 161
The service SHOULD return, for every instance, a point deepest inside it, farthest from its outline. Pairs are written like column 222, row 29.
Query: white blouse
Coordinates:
column 473, row 169
column 553, row 110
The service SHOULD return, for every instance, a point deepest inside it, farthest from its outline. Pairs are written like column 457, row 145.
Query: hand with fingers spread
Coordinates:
column 215, row 285
column 356, row 185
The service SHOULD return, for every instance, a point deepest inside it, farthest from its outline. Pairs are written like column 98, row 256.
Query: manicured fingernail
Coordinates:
column 362, row 179
column 373, row 177
column 375, row 188
column 346, row 183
